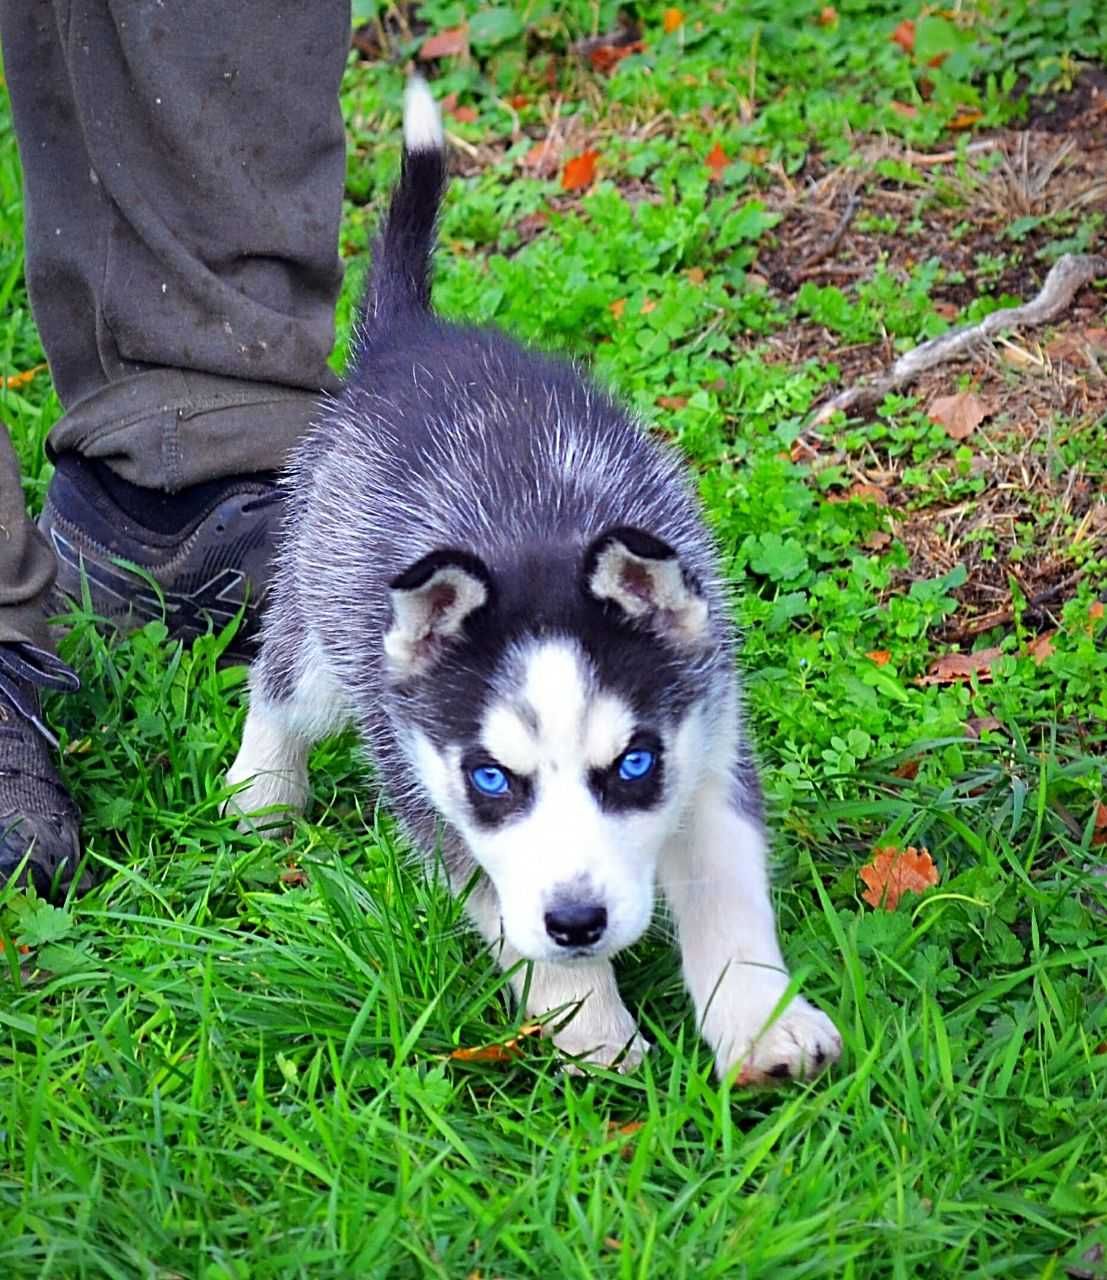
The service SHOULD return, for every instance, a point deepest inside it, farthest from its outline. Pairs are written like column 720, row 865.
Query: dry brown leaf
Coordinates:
column 617, row 307
column 960, row 414
column 909, row 769
column 530, row 224
column 1095, row 610
column 503, row 1051
column 828, row 16
column 672, row 402
column 695, row 275
column 445, row 44
column 21, row 948
column 878, row 540
column 580, row 171
column 1041, row 647
column 803, row 450
column 904, row 36
column 869, row 493
column 294, row 876
column 894, row 872
column 605, row 56
column 647, row 306
column 880, row 656
column 672, row 20
column 464, row 115
column 613, row 1243
column 981, row 724
column 904, row 109
column 544, row 158
column 953, row 667
column 717, row 161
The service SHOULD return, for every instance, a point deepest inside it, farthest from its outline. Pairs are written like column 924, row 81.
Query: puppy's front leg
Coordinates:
column 715, row 878
column 591, row 1023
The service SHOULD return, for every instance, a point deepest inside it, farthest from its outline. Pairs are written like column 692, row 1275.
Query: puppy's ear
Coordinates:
column 430, row 604
column 643, row 577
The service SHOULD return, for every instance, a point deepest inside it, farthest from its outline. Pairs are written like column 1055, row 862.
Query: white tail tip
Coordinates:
column 422, row 121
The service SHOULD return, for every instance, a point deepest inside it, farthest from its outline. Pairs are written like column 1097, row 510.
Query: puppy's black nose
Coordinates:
column 576, row 924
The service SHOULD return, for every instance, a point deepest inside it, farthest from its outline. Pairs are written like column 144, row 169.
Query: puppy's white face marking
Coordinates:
column 562, row 829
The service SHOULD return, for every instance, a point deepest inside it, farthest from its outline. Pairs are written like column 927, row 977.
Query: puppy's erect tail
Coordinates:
column 401, row 277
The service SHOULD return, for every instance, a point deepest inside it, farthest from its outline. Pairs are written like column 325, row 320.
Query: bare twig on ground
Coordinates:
column 836, row 236
column 1068, row 275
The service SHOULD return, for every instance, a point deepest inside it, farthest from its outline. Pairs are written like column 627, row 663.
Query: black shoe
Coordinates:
column 38, row 819
column 207, row 548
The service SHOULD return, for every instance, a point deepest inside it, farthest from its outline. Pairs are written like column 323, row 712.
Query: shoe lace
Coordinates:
column 270, row 499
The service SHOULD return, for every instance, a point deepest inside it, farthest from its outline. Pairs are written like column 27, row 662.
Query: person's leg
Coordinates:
column 183, row 177
column 37, row 817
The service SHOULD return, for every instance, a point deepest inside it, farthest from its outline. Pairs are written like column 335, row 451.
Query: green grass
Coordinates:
column 207, row 1071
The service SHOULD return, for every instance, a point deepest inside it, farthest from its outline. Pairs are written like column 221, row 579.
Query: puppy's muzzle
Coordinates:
column 576, row 924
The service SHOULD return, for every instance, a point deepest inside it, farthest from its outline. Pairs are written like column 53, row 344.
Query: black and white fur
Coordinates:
column 487, row 563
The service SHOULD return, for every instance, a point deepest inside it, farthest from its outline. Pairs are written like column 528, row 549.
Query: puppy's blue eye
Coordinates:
column 636, row 764
column 489, row 780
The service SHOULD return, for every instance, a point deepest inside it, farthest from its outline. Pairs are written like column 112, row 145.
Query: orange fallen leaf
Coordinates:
column 880, row 656
column 518, row 101
column 828, row 16
column 960, row 414
column 904, row 109
column 953, row 667
column 15, row 380
column 904, row 36
column 617, row 307
column 503, row 1051
column 894, row 872
column 580, row 171
column 465, row 115
column 672, row 20
column 908, row 770
column 803, row 450
column 695, row 275
column 717, row 161
column 1041, row 647
column 606, row 56
column 672, row 402
column 647, row 306
column 878, row 540
column 1100, row 824
column 445, row 44
column 21, row 948
column 1095, row 610
column 966, row 117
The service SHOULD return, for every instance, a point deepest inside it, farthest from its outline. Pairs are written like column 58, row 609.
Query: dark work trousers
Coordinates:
column 183, row 166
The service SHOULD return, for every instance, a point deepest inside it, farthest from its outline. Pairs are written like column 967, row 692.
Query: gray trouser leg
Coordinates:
column 183, row 172
column 27, row 564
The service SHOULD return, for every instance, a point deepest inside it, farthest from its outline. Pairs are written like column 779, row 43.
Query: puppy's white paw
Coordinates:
column 588, row 1042
column 798, row 1045
column 254, row 803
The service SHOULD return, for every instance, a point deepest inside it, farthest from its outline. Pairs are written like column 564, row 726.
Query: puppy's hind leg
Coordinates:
column 282, row 725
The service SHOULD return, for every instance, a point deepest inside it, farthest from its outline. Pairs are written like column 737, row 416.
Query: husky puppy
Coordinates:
column 493, row 573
